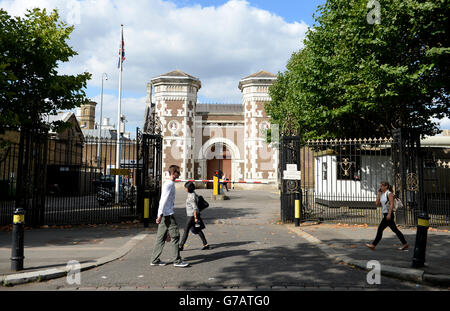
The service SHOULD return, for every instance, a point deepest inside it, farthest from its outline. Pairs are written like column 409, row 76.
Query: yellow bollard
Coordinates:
column 146, row 211
column 297, row 213
column 215, row 185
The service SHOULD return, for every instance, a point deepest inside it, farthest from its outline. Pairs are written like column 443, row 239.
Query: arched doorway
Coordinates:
column 219, row 151
column 219, row 158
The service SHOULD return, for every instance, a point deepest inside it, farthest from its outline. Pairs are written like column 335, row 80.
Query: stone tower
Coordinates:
column 175, row 96
column 87, row 118
column 261, row 160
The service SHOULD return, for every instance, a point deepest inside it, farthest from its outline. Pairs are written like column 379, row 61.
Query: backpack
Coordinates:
column 202, row 204
column 397, row 202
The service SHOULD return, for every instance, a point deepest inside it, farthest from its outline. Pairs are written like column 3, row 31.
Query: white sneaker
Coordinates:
column 181, row 264
column 159, row 263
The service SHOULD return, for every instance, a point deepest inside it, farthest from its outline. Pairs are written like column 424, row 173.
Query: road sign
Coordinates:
column 131, row 166
column 119, row 171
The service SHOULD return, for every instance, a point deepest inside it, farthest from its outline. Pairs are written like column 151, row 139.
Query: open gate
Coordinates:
column 72, row 181
column 337, row 180
column 31, row 177
column 408, row 175
column 149, row 174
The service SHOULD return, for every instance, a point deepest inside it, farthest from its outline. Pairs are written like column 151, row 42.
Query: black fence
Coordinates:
column 340, row 178
column 75, row 180
column 8, row 181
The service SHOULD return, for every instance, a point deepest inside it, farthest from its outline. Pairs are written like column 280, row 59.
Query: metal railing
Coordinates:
column 436, row 178
column 340, row 179
column 76, row 182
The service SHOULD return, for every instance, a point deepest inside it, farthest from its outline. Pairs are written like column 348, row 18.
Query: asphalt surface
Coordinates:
column 251, row 250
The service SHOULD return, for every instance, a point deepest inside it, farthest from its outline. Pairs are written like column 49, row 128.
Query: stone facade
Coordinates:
column 200, row 138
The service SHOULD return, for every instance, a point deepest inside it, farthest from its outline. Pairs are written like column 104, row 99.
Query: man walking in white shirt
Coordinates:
column 167, row 223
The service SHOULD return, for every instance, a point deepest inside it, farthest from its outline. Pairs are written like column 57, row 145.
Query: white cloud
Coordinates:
column 444, row 123
column 219, row 45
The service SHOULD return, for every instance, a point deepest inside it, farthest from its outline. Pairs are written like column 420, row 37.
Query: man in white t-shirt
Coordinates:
column 167, row 223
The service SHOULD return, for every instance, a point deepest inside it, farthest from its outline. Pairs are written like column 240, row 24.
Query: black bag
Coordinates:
column 196, row 230
column 202, row 204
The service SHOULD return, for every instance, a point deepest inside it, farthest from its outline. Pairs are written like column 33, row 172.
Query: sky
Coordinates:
column 217, row 41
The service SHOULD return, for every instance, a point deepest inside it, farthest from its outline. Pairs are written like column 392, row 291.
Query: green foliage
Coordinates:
column 356, row 79
column 31, row 49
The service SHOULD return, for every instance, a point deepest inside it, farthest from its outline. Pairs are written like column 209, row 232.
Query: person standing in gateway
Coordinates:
column 167, row 223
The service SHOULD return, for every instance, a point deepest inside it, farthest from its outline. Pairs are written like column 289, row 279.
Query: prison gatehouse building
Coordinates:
column 201, row 138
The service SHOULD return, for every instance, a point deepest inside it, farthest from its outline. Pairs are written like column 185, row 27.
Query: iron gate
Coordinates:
column 31, row 177
column 340, row 179
column 408, row 175
column 77, row 180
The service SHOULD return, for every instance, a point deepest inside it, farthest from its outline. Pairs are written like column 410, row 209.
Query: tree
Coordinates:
column 356, row 78
column 31, row 49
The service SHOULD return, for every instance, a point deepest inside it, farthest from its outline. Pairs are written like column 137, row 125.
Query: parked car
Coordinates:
column 104, row 188
column 107, row 182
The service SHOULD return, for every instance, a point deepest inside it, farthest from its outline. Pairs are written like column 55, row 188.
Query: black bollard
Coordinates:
column 17, row 239
column 421, row 241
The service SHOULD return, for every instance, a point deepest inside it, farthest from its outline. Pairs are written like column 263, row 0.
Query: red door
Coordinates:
column 214, row 164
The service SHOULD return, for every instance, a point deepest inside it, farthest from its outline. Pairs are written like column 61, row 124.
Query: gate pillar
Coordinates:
column 149, row 175
column 290, row 177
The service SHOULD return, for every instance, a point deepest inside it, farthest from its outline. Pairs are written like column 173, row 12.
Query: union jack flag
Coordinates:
column 121, row 51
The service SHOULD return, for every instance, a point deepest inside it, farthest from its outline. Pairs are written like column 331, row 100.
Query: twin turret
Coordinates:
column 186, row 132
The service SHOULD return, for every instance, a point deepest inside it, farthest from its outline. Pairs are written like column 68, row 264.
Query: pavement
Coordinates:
column 344, row 243
column 49, row 251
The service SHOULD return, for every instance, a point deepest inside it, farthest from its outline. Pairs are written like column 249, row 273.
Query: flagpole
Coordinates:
column 118, row 149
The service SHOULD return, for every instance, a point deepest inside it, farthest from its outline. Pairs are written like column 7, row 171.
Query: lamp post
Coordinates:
column 105, row 76
column 119, row 115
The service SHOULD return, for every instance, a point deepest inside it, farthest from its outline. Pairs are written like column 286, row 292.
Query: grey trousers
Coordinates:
column 168, row 225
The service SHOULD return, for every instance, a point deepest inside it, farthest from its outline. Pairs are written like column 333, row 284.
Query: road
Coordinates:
column 252, row 250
